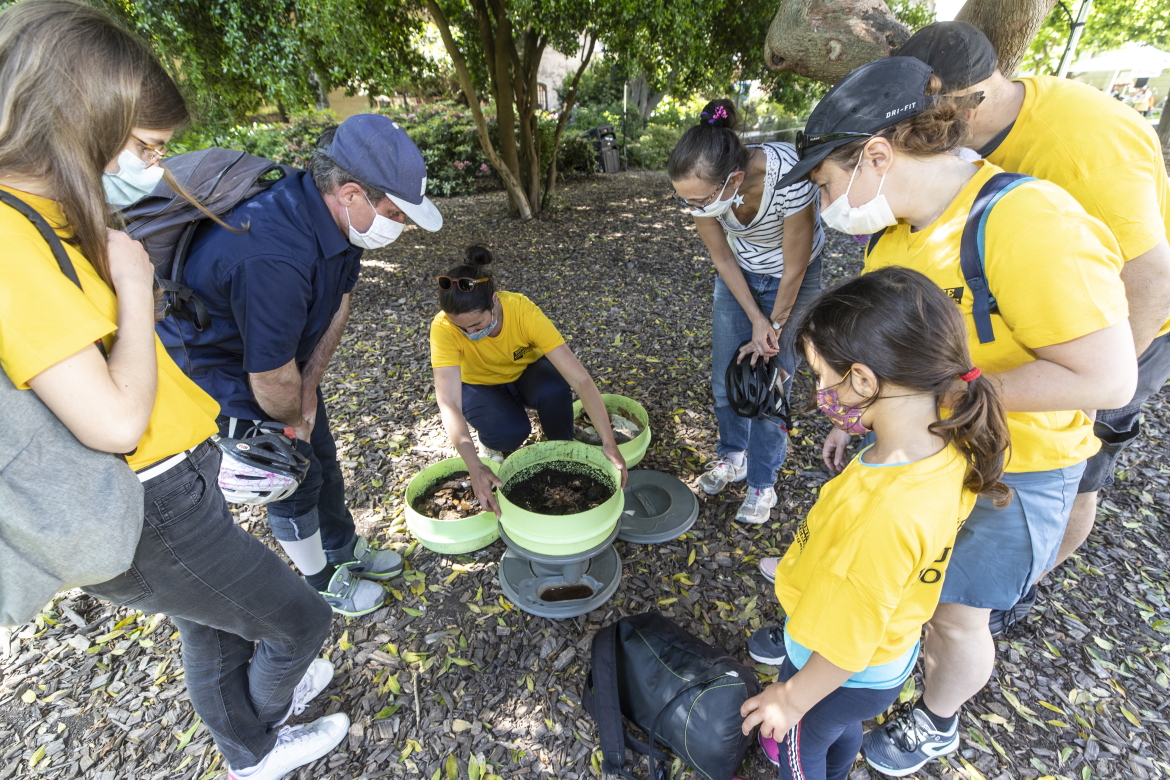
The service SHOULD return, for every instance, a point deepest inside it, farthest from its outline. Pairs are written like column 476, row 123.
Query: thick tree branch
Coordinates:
column 511, row 183
column 563, row 119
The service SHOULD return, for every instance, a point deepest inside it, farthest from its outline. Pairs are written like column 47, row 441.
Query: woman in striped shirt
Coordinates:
column 766, row 246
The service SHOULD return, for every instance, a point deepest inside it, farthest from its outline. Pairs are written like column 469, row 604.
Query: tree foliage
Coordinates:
column 232, row 56
column 1111, row 24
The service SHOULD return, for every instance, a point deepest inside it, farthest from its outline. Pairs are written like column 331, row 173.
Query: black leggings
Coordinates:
column 826, row 741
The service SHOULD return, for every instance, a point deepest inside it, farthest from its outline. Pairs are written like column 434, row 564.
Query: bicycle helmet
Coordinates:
column 260, row 468
column 757, row 391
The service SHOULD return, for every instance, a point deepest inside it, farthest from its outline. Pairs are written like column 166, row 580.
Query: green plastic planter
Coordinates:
column 449, row 536
column 632, row 451
column 559, row 534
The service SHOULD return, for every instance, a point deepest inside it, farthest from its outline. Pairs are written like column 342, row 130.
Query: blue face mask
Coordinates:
column 485, row 332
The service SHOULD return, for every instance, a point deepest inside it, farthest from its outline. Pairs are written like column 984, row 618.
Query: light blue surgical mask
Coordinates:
column 485, row 332
column 133, row 181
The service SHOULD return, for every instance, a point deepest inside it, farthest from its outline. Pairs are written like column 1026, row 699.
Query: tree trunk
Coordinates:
column 1010, row 25
column 562, row 120
column 826, row 39
column 512, row 185
column 645, row 98
column 1164, row 134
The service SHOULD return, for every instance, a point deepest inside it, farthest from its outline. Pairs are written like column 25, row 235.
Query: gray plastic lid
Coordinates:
column 659, row 507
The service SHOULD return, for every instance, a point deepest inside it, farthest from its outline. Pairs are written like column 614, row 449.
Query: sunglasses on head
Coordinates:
column 464, row 283
column 804, row 141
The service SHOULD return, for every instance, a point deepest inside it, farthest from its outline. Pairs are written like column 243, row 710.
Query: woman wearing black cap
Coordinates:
column 765, row 242
column 879, row 147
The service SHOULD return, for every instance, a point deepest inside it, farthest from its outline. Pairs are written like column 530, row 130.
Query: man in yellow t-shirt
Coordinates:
column 1110, row 160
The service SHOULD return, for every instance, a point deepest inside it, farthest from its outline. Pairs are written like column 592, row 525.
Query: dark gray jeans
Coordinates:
column 249, row 625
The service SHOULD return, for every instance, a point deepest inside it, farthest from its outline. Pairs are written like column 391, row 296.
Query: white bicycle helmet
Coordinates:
column 261, row 468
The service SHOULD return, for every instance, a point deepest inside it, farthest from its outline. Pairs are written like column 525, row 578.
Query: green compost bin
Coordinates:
column 559, row 535
column 449, row 536
column 633, row 451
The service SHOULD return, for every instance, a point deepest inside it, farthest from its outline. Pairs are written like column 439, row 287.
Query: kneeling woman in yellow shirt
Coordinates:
column 496, row 354
column 865, row 570
column 1056, row 341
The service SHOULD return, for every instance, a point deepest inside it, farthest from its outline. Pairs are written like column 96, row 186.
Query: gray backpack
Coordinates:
column 166, row 222
column 69, row 515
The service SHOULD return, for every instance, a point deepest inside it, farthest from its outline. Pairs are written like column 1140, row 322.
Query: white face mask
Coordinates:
column 866, row 218
column 133, row 181
column 382, row 233
column 719, row 207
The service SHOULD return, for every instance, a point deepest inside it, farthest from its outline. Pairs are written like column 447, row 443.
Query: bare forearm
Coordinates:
column 799, row 229
column 595, row 407
column 323, row 352
column 1147, row 290
column 731, row 275
column 133, row 364
column 1044, row 386
column 280, row 396
column 789, row 288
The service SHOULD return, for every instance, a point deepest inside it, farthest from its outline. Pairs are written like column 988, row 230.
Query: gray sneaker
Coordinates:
column 720, row 473
column 373, row 564
column 766, row 645
column 905, row 744
column 757, row 507
column 352, row 596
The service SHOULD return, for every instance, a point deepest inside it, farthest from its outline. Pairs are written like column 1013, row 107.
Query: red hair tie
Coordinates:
column 972, row 375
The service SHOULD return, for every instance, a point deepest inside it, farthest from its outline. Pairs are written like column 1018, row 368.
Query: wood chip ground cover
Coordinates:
column 450, row 681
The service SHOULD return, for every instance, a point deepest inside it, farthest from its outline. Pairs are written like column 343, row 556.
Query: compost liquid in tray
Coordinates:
column 559, row 488
column 450, row 498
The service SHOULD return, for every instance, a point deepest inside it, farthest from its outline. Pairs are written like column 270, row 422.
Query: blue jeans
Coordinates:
column 497, row 412
column 319, row 503
column 764, row 441
column 825, row 742
column 249, row 625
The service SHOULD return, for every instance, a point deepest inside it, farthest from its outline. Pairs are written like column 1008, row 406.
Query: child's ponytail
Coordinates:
column 911, row 334
column 977, row 426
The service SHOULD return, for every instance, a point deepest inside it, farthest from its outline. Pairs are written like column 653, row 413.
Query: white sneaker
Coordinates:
column 720, row 473
column 297, row 746
column 316, row 678
column 487, row 452
column 757, row 507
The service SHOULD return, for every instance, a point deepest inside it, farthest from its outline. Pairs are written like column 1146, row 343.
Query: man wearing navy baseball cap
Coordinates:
column 278, row 296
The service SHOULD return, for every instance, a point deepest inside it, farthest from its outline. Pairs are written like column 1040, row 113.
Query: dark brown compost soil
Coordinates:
column 451, row 498
column 559, row 488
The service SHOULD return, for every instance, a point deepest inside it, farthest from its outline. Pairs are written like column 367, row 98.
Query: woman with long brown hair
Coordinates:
column 73, row 87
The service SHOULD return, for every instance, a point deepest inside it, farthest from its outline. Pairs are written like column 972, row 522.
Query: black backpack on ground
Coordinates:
column 166, row 223
column 682, row 692
column 983, row 303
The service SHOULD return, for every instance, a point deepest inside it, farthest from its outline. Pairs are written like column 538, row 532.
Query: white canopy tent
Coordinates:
column 1126, row 63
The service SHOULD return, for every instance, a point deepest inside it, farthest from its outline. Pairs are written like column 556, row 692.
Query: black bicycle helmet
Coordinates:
column 757, row 391
column 260, row 468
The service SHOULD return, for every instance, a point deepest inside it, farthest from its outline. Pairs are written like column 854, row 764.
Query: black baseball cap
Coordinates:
column 870, row 99
column 959, row 52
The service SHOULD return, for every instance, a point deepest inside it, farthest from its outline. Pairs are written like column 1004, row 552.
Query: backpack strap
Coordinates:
column 971, row 250
column 602, row 702
column 54, row 242
column 873, row 241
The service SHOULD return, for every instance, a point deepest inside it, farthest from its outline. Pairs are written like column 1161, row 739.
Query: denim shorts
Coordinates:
column 1000, row 553
column 1118, row 428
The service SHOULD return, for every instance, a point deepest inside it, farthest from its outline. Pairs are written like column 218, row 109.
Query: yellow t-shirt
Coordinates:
column 1100, row 151
column 866, row 568
column 527, row 336
column 45, row 318
column 1053, row 270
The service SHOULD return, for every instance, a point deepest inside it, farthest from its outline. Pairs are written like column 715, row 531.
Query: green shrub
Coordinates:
column 653, row 147
column 290, row 144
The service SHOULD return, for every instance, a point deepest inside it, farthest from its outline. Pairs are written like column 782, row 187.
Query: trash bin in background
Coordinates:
column 605, row 144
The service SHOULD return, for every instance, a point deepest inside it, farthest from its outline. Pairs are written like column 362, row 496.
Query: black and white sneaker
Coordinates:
column 905, row 744
column 767, row 645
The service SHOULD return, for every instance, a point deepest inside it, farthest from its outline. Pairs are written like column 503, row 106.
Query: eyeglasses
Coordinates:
column 156, row 153
column 804, row 141
column 464, row 283
column 699, row 207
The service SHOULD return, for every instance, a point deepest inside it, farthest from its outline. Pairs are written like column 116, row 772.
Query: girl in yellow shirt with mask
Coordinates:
column 866, row 568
